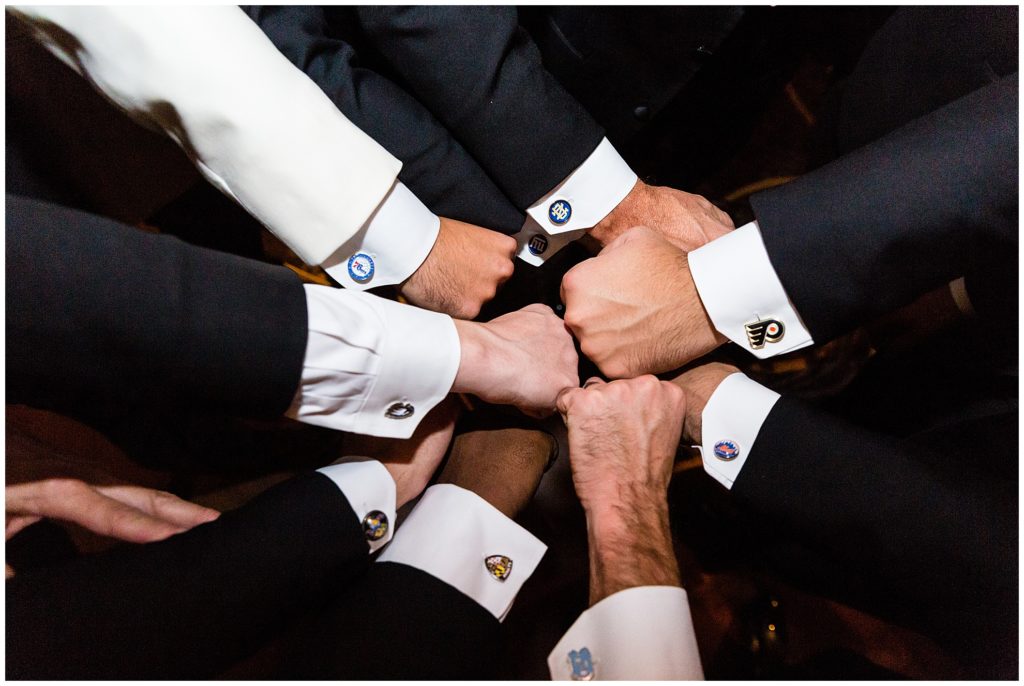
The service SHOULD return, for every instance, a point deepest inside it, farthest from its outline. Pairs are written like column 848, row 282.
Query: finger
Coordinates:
column 17, row 523
column 565, row 399
column 109, row 517
column 593, row 381
column 539, row 308
column 161, row 505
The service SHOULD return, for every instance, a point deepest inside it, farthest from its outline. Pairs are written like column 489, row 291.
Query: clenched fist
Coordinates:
column 524, row 358
column 635, row 308
column 463, row 270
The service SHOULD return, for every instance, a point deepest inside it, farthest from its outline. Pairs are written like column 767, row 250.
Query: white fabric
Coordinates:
column 735, row 412
column 254, row 124
column 450, row 533
column 397, row 237
column 738, row 285
column 641, row 633
column 368, row 486
column 364, row 354
column 592, row 190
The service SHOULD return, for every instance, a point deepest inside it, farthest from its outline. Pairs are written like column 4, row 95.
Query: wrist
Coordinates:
column 624, row 216
column 698, row 385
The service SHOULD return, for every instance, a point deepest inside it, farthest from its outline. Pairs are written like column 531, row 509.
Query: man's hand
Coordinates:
column 463, row 270
column 623, row 437
column 698, row 384
column 688, row 221
column 129, row 513
column 635, row 308
column 524, row 358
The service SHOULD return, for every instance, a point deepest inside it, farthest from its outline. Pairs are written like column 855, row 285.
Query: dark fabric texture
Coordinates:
column 189, row 606
column 436, row 167
column 397, row 622
column 901, row 216
column 102, row 314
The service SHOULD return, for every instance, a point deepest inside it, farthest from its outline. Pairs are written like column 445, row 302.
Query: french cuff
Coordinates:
column 641, row 633
column 536, row 245
column 587, row 195
column 390, row 246
column 458, row 537
column 743, row 295
column 730, row 423
column 373, row 366
column 370, row 490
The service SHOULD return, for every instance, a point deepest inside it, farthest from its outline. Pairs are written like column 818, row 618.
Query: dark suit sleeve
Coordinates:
column 933, row 201
column 480, row 73
column 189, row 606
column 931, row 535
column 102, row 314
column 434, row 164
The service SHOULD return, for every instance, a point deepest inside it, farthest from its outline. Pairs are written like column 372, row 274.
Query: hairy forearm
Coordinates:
column 630, row 544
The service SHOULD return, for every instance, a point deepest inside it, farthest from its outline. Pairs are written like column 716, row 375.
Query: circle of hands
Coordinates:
column 634, row 310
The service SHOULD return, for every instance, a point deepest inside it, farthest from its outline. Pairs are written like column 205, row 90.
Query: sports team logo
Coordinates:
column 764, row 331
column 582, row 664
column 559, row 212
column 727, row 450
column 538, row 244
column 360, row 267
column 498, row 566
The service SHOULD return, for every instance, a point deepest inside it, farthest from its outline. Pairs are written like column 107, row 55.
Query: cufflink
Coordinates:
column 582, row 665
column 498, row 566
column 538, row 244
column 764, row 331
column 400, row 411
column 375, row 525
column 727, row 450
column 360, row 267
column 559, row 212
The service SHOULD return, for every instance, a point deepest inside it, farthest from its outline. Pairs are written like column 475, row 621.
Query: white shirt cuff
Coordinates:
column 370, row 490
column 390, row 246
column 453, row 534
column 730, row 423
column 743, row 295
column 587, row 195
column 642, row 633
column 373, row 366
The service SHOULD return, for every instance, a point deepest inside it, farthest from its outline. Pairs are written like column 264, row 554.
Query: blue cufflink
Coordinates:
column 538, row 244
column 727, row 450
column 582, row 665
column 360, row 267
column 559, row 212
column 375, row 525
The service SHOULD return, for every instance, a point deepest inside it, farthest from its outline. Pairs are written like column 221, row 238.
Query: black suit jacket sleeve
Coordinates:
column 102, row 314
column 189, row 606
column 933, row 201
column 434, row 165
column 929, row 535
column 480, row 73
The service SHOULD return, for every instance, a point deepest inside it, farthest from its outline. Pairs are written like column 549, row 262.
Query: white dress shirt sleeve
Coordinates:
column 373, row 366
column 743, row 295
column 452, row 532
column 390, row 246
column 254, row 125
column 580, row 201
column 369, row 489
column 730, row 423
column 642, row 633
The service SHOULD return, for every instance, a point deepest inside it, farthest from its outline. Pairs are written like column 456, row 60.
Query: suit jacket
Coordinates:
column 102, row 315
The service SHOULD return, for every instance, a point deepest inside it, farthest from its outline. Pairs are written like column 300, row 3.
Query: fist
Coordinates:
column 623, row 437
column 635, row 309
column 463, row 270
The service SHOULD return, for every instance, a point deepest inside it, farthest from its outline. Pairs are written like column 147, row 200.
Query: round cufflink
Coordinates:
column 538, row 244
column 375, row 525
column 559, row 212
column 360, row 267
column 400, row 411
column 727, row 450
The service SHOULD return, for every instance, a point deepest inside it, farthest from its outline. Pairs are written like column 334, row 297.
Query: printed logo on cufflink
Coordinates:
column 582, row 664
column 375, row 525
column 764, row 331
column 498, row 566
column 538, row 244
column 559, row 212
column 360, row 267
column 400, row 411
column 727, row 450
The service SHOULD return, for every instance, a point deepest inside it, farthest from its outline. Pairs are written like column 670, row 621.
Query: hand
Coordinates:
column 635, row 309
column 462, row 271
column 524, row 358
column 686, row 220
column 129, row 513
column 698, row 384
column 413, row 461
column 623, row 437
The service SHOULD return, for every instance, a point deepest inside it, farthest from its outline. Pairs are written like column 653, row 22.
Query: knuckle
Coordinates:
column 62, row 487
